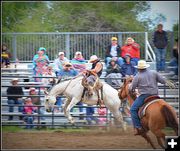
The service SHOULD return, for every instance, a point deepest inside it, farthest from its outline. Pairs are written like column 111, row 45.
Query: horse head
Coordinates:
column 124, row 89
column 49, row 101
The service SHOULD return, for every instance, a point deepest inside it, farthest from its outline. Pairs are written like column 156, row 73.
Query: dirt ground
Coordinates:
column 95, row 139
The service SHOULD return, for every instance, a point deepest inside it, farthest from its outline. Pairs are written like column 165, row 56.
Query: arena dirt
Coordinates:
column 95, row 139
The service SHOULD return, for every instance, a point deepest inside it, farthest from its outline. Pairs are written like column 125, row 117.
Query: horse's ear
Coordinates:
column 46, row 92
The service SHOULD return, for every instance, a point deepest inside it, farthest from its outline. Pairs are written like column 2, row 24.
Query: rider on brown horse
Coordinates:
column 146, row 82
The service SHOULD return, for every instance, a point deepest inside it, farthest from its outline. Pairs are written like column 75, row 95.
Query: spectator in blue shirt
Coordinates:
column 67, row 71
column 128, row 68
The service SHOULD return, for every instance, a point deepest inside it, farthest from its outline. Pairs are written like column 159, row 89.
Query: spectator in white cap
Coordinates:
column 58, row 63
column 78, row 62
column 14, row 90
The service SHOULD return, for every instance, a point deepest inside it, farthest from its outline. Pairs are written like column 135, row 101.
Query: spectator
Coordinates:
column 14, row 90
column 40, row 63
column 89, row 115
column 113, row 51
column 58, row 63
column 36, row 101
column 102, row 112
column 79, row 62
column 67, row 71
column 49, row 73
column 28, row 111
column 128, row 68
column 160, row 41
column 132, row 48
column 5, row 56
column 113, row 71
column 174, row 60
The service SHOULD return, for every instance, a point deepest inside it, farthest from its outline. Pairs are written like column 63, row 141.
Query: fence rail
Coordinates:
column 24, row 45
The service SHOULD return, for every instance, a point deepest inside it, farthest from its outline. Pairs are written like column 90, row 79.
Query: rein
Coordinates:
column 71, row 80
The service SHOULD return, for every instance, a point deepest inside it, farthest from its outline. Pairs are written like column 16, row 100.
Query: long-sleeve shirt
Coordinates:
column 160, row 39
column 58, row 64
column 14, row 91
column 128, row 69
column 147, row 82
column 132, row 49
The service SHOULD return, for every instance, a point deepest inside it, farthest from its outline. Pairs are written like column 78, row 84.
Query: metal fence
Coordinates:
column 25, row 45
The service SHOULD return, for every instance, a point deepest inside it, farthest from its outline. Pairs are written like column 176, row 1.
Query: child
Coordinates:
column 29, row 110
column 102, row 112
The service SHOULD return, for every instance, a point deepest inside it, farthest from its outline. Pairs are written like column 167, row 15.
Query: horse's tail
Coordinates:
column 170, row 117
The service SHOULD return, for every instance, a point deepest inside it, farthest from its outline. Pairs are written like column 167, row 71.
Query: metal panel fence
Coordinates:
column 24, row 45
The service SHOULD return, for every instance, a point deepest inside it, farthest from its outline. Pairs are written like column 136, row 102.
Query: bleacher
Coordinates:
column 24, row 71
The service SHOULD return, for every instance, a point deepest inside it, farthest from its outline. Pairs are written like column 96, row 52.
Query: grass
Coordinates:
column 66, row 130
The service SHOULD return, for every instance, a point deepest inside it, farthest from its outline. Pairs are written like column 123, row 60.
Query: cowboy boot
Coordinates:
column 138, row 131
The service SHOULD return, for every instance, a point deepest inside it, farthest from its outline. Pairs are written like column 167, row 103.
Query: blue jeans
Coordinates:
column 160, row 59
column 11, row 106
column 29, row 120
column 135, row 60
column 134, row 110
column 120, row 61
column 174, row 63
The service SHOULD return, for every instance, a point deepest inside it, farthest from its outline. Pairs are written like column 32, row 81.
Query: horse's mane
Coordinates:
column 79, row 77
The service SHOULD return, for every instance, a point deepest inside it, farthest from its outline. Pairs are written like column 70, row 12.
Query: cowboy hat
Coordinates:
column 142, row 64
column 67, row 64
column 14, row 79
column 93, row 58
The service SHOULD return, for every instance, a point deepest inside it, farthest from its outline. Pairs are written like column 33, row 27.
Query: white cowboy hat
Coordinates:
column 14, row 79
column 93, row 58
column 142, row 64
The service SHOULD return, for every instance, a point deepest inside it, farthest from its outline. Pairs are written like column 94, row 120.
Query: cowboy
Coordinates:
column 93, row 75
column 146, row 81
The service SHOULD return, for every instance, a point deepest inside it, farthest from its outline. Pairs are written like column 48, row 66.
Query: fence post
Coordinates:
column 68, row 46
column 146, row 46
column 14, row 46
column 120, row 39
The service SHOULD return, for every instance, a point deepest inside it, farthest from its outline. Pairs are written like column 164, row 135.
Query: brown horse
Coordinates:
column 158, row 115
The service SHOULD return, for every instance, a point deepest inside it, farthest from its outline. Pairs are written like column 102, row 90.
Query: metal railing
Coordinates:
column 25, row 45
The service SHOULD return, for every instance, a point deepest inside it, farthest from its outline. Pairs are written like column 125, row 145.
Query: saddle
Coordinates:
column 89, row 86
column 149, row 100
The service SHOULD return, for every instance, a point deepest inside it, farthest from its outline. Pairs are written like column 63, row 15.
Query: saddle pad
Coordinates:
column 142, row 110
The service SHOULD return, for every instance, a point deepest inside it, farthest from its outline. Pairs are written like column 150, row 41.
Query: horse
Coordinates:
column 73, row 91
column 158, row 115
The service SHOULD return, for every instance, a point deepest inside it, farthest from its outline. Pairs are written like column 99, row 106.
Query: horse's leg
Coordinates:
column 148, row 139
column 159, row 135
column 73, row 102
column 118, row 118
column 66, row 105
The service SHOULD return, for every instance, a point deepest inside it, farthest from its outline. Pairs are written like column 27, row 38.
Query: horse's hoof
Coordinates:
column 124, row 126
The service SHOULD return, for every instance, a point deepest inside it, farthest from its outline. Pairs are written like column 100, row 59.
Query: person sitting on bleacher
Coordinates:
column 128, row 68
column 78, row 62
column 12, row 100
column 5, row 56
column 67, row 71
column 113, row 71
column 36, row 101
column 28, row 110
column 49, row 73
column 40, row 63
column 58, row 63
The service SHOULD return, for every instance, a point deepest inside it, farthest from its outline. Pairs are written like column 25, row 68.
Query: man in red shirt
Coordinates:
column 131, row 48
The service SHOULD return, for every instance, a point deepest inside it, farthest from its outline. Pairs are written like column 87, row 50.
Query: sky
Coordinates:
column 170, row 9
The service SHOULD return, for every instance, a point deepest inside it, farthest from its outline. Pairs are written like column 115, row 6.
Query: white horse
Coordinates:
column 73, row 90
